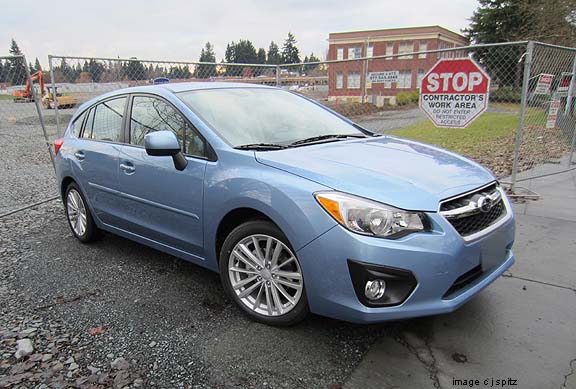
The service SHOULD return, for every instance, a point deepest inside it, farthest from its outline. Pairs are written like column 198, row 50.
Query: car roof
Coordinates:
column 191, row 86
column 161, row 89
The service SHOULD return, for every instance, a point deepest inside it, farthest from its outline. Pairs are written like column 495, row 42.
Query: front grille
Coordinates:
column 475, row 211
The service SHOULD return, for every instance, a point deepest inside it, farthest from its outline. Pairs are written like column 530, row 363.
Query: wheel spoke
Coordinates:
column 286, row 262
column 258, row 250
column 245, row 281
column 292, row 285
column 276, row 254
column 288, row 274
column 276, row 299
column 246, row 292
column 284, row 293
column 258, row 297
column 239, row 256
column 268, row 300
column 249, row 254
column 241, row 270
column 268, row 247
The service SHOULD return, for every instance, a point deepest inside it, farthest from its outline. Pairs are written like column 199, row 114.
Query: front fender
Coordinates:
column 283, row 197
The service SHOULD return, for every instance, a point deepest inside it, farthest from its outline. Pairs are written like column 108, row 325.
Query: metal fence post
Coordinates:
column 524, row 101
column 568, row 110
column 38, row 110
column 53, row 82
column 278, row 76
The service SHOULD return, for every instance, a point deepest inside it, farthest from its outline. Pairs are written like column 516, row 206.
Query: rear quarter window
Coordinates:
column 77, row 125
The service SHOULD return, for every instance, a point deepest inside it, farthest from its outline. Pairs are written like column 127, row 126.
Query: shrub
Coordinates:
column 407, row 98
column 506, row 94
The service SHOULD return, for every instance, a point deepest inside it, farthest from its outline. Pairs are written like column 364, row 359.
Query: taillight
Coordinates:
column 57, row 144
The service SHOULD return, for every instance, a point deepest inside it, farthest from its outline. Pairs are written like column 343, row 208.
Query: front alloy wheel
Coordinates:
column 263, row 275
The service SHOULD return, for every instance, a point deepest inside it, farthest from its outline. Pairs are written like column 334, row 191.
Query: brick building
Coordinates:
column 350, row 81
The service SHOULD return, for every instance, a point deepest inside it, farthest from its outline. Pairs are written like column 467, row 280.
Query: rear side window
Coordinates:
column 151, row 114
column 105, row 121
column 77, row 124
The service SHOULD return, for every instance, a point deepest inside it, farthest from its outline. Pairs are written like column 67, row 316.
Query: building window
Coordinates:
column 421, row 73
column 404, row 79
column 389, row 49
column 406, row 47
column 423, row 47
column 370, row 51
column 340, row 53
column 354, row 52
column 353, row 80
column 339, row 80
column 443, row 46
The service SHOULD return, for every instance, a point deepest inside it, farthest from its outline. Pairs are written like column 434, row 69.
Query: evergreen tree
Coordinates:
column 309, row 68
column 274, row 57
column 16, row 67
column 2, row 72
column 96, row 69
column 290, row 53
column 206, row 55
column 134, row 70
column 261, row 56
column 37, row 66
column 241, row 52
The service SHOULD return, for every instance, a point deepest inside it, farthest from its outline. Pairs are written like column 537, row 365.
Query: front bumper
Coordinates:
column 436, row 259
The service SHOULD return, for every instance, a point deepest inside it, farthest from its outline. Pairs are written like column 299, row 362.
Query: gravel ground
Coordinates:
column 119, row 314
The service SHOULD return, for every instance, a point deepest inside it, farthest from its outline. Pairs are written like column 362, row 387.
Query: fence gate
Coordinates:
column 27, row 161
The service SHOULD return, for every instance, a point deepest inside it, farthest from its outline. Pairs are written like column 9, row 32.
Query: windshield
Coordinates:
column 244, row 116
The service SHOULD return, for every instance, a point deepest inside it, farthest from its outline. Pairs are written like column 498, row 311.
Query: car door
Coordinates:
column 160, row 202
column 95, row 156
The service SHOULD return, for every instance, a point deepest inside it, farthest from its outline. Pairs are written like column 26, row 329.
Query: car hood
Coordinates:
column 402, row 173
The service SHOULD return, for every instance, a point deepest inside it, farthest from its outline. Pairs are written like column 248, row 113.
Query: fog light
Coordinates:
column 375, row 289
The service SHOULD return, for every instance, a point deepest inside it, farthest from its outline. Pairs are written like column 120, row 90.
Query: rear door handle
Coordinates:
column 127, row 167
column 80, row 155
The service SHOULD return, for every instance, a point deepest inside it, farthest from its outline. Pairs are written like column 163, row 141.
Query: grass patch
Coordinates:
column 6, row 97
column 490, row 139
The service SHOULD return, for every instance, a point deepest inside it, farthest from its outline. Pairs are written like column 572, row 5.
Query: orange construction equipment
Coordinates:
column 25, row 96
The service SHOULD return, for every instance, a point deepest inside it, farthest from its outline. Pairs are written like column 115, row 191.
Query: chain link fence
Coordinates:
column 527, row 129
column 27, row 173
column 545, row 141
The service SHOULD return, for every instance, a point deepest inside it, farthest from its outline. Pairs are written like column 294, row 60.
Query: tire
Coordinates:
column 276, row 294
column 75, row 205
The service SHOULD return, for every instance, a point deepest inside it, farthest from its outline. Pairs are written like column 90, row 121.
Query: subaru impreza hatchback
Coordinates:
column 298, row 208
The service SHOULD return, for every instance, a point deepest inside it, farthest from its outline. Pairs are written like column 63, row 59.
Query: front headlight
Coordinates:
column 370, row 217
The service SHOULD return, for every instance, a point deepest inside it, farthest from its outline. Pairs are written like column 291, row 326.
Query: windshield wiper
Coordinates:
column 319, row 138
column 261, row 146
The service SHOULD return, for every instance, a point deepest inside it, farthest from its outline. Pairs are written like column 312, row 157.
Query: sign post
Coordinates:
column 454, row 92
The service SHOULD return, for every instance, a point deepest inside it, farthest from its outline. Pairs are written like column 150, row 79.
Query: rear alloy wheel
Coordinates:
column 79, row 217
column 263, row 275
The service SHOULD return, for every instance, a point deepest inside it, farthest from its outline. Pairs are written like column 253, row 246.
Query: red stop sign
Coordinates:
column 454, row 92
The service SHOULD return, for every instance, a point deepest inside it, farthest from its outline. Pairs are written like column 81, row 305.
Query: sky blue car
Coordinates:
column 298, row 208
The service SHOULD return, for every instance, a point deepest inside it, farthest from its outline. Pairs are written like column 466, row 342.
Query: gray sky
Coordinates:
column 178, row 29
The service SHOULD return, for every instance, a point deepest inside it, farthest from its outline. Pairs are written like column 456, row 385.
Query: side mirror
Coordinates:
column 165, row 144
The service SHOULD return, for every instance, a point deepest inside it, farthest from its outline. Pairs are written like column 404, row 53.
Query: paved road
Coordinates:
column 387, row 121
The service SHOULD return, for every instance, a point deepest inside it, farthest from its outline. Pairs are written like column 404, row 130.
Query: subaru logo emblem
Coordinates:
column 485, row 204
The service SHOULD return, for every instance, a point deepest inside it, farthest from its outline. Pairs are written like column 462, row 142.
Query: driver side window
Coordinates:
column 151, row 114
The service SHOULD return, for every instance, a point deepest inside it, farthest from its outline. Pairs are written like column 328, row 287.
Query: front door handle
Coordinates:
column 127, row 167
column 80, row 155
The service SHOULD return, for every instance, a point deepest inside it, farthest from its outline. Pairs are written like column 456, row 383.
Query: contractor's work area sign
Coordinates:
column 454, row 92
